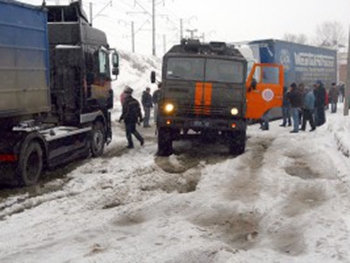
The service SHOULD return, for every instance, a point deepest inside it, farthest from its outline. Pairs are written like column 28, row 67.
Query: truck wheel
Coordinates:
column 237, row 143
column 97, row 139
column 165, row 143
column 30, row 164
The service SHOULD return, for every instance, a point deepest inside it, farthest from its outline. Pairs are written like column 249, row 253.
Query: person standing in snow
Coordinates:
column 286, row 109
column 131, row 114
column 320, row 102
column 155, row 98
column 308, row 109
column 296, row 102
column 147, row 105
column 333, row 97
column 341, row 92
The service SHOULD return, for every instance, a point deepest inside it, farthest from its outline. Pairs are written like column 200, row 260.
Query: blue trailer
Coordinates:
column 24, row 67
column 302, row 63
column 55, row 89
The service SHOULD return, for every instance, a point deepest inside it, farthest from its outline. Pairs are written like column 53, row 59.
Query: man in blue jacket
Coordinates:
column 308, row 109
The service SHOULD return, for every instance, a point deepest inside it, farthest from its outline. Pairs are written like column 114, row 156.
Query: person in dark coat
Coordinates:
column 155, row 98
column 286, row 109
column 341, row 92
column 308, row 109
column 147, row 105
column 131, row 114
column 320, row 102
column 333, row 97
column 296, row 101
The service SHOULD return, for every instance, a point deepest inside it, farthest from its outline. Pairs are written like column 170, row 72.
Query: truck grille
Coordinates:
column 196, row 110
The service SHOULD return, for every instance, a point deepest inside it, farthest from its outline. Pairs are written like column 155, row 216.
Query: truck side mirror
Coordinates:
column 115, row 63
column 153, row 77
column 253, row 84
column 115, row 60
column 115, row 71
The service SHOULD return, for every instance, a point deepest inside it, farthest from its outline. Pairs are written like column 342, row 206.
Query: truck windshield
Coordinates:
column 201, row 69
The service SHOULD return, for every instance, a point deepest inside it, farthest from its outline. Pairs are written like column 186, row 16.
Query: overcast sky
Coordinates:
column 224, row 20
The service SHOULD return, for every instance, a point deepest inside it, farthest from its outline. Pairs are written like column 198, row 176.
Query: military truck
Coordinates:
column 207, row 92
column 55, row 88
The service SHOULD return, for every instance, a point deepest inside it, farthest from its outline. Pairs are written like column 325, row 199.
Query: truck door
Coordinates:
column 264, row 89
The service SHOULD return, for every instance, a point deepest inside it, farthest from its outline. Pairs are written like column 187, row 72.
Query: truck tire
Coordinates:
column 237, row 143
column 165, row 143
column 30, row 164
column 97, row 139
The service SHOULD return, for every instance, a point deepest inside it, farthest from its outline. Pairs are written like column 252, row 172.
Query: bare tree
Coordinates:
column 330, row 34
column 301, row 38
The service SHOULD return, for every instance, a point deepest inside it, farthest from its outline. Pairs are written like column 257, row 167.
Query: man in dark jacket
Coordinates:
column 131, row 115
column 155, row 98
column 147, row 105
column 286, row 109
column 296, row 101
column 333, row 95
column 320, row 102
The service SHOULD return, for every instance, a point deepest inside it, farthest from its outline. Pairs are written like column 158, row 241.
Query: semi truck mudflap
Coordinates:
column 264, row 89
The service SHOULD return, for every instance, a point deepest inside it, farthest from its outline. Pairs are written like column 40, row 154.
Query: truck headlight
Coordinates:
column 169, row 108
column 234, row 111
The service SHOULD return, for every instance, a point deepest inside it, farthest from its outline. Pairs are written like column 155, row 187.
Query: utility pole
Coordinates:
column 202, row 37
column 90, row 5
column 153, row 27
column 192, row 31
column 132, row 37
column 181, row 29
column 347, row 87
column 91, row 15
column 164, row 43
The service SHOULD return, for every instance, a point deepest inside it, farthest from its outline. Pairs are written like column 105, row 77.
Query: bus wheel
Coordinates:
column 30, row 164
column 97, row 139
column 165, row 143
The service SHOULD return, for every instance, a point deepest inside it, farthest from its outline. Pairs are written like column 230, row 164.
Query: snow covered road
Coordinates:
column 286, row 199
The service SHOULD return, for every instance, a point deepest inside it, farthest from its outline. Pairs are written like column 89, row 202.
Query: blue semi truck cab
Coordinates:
column 55, row 88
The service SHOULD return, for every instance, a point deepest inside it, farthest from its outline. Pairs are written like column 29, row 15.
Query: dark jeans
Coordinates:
column 296, row 119
column 130, row 128
column 286, row 116
column 333, row 107
column 308, row 115
column 147, row 116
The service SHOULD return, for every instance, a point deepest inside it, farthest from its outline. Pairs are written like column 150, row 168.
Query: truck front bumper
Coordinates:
column 200, row 124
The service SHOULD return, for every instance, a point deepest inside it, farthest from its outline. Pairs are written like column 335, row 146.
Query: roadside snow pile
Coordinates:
column 135, row 71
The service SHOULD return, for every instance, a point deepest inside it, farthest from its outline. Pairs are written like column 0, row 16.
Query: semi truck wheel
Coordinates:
column 97, row 139
column 165, row 143
column 30, row 164
column 237, row 142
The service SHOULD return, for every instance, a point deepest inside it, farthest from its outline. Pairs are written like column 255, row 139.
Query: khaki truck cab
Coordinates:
column 204, row 94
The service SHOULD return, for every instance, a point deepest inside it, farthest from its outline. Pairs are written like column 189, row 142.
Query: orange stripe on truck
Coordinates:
column 208, row 89
column 202, row 98
column 198, row 97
